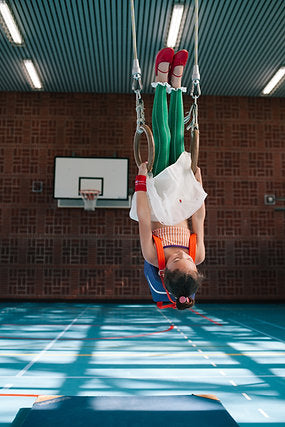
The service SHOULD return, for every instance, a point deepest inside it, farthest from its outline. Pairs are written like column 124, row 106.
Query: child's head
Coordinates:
column 181, row 260
column 182, row 278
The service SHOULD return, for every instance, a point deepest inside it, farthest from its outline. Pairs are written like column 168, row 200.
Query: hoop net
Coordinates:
column 89, row 198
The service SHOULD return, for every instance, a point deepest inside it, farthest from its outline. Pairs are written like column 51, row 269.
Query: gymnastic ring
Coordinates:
column 194, row 149
column 150, row 144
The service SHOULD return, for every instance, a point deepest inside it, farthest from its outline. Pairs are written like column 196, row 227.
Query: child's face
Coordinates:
column 181, row 261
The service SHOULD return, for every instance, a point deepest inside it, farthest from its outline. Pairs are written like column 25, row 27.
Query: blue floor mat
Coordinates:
column 134, row 411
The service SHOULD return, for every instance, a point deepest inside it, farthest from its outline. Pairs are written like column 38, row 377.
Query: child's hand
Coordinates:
column 143, row 169
column 198, row 175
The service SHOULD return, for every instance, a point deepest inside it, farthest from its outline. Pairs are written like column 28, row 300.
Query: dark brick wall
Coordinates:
column 52, row 253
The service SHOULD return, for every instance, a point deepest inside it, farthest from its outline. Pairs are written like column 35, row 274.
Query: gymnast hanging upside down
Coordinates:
column 163, row 203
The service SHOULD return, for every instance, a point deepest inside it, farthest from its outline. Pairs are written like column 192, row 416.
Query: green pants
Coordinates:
column 168, row 129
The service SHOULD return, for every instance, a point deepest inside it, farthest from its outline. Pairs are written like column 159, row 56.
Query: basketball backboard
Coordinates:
column 109, row 175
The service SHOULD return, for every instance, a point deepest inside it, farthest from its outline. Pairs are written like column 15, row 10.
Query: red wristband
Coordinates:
column 140, row 183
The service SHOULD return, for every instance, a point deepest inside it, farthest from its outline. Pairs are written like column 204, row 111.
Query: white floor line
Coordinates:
column 233, row 383
column 263, row 321
column 6, row 387
column 191, row 342
column 263, row 413
column 246, row 396
column 50, row 376
column 48, row 346
column 256, row 330
column 269, row 323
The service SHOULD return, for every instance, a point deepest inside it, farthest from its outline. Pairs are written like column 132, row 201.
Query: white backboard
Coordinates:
column 109, row 175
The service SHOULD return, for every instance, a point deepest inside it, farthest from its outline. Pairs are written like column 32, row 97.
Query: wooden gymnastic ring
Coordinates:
column 194, row 149
column 150, row 144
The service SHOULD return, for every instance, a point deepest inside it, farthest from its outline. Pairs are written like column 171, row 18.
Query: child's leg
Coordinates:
column 176, row 125
column 161, row 132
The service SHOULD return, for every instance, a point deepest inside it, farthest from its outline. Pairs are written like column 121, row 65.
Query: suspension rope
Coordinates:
column 196, row 30
column 137, row 86
column 134, row 30
column 136, row 72
column 195, row 91
column 192, row 115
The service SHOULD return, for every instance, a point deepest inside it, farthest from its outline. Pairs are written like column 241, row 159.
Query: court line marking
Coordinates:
column 202, row 353
column 142, row 325
column 190, row 325
column 263, row 413
column 213, row 364
column 48, row 346
column 137, row 354
column 19, row 395
column 205, row 317
column 246, row 396
column 221, row 372
column 257, row 330
column 263, row 321
column 50, row 324
column 198, row 314
column 6, row 387
column 269, row 323
column 58, row 338
column 48, row 376
column 19, row 346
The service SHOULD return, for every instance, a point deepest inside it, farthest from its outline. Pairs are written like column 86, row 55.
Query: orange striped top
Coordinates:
column 173, row 236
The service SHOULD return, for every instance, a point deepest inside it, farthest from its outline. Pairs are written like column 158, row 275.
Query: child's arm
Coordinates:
column 143, row 212
column 198, row 225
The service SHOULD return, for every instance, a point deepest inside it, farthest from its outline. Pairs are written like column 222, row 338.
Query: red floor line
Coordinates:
column 50, row 324
column 19, row 395
column 78, row 324
column 89, row 339
column 205, row 317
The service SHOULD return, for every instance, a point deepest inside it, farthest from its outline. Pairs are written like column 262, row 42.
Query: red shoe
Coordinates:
column 164, row 55
column 180, row 58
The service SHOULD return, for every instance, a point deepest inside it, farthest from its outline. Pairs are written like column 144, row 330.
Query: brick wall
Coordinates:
column 52, row 253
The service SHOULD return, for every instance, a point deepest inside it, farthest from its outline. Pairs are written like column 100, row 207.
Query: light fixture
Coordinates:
column 9, row 23
column 278, row 76
column 175, row 25
column 33, row 75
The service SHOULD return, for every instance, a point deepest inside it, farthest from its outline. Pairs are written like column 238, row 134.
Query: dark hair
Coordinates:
column 181, row 284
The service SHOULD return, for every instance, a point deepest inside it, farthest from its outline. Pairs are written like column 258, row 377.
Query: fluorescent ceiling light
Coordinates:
column 175, row 25
column 274, row 81
column 36, row 83
column 10, row 23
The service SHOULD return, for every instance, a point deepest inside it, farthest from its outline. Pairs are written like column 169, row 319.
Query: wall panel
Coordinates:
column 51, row 253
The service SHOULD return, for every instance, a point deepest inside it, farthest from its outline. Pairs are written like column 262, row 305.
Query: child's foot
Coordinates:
column 162, row 64
column 162, row 72
column 176, row 76
column 177, row 68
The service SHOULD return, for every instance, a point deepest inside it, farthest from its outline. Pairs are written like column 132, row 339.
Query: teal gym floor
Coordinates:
column 234, row 351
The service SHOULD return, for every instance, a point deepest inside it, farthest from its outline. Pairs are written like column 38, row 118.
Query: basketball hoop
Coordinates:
column 89, row 198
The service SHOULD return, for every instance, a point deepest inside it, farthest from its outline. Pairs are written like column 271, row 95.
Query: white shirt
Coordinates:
column 174, row 194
